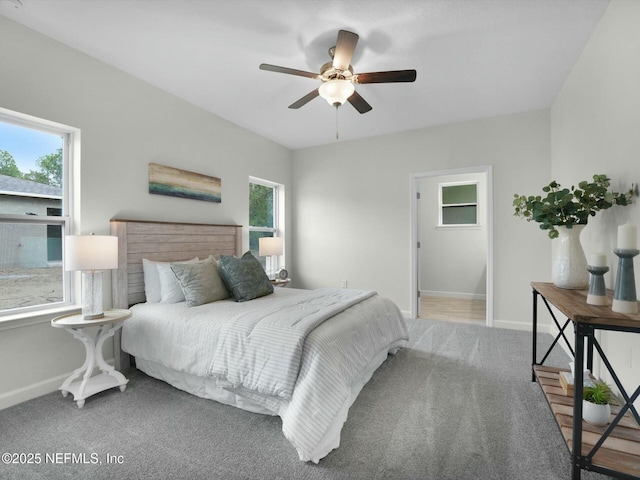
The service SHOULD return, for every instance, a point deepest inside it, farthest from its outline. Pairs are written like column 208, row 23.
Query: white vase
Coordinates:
column 569, row 268
column 596, row 414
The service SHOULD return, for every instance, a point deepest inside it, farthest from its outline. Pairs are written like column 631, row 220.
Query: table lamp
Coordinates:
column 268, row 247
column 88, row 254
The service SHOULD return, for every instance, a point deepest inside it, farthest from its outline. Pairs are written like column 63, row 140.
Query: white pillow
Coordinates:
column 170, row 289
column 152, row 287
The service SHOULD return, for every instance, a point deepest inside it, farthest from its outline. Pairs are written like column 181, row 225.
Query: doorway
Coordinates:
column 452, row 248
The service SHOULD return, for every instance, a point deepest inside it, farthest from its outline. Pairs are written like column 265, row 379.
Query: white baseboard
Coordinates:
column 511, row 325
column 462, row 296
column 28, row 392
column 34, row 390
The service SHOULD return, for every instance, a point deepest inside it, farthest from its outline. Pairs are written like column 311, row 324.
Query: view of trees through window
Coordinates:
column 262, row 218
column 31, row 182
column 49, row 170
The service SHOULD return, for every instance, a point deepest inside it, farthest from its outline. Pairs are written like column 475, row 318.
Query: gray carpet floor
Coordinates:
column 457, row 403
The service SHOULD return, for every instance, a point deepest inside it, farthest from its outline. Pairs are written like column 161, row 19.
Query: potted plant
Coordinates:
column 595, row 403
column 564, row 212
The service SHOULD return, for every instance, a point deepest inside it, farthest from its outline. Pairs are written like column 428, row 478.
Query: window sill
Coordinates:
column 20, row 320
column 459, row 227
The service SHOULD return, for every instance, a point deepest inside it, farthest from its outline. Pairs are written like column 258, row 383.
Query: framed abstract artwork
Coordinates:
column 181, row 183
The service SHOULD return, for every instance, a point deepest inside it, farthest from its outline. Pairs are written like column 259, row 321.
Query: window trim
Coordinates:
column 442, row 206
column 22, row 316
column 278, row 202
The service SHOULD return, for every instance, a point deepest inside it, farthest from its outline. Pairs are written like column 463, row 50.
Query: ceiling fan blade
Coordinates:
column 359, row 103
column 345, row 46
column 306, row 99
column 290, row 71
column 386, row 77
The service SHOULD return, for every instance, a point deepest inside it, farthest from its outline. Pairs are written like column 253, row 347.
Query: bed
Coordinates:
column 299, row 354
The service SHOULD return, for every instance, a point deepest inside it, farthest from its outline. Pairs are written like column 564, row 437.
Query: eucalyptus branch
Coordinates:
column 568, row 207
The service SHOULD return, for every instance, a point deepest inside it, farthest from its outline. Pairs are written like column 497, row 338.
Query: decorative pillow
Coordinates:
column 244, row 277
column 200, row 282
column 152, row 288
column 170, row 289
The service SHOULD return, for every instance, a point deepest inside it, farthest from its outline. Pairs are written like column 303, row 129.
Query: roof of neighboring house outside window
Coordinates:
column 27, row 188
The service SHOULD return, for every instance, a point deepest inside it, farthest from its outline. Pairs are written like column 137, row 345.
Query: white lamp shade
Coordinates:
column 270, row 246
column 90, row 252
column 336, row 92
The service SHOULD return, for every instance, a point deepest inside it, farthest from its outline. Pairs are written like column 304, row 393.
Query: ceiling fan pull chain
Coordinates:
column 337, row 135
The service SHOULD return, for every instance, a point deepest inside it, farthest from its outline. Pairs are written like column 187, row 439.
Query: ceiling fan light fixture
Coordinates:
column 336, row 91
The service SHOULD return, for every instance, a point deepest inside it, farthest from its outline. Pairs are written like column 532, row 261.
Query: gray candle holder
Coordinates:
column 624, row 295
column 597, row 292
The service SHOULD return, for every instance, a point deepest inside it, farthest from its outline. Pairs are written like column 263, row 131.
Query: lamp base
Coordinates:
column 92, row 295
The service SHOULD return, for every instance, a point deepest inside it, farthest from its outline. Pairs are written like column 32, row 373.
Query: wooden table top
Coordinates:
column 573, row 303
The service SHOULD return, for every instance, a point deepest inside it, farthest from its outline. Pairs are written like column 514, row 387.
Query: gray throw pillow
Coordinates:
column 200, row 282
column 244, row 277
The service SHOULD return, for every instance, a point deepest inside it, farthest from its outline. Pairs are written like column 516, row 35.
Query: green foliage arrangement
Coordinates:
column 568, row 207
column 599, row 393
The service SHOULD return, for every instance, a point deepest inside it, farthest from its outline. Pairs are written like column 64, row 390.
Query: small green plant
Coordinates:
column 599, row 393
column 568, row 207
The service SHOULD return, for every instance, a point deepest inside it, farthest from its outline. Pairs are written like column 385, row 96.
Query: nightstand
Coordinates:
column 86, row 386
column 280, row 282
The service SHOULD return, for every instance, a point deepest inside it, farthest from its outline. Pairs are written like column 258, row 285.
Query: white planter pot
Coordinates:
column 596, row 414
column 569, row 268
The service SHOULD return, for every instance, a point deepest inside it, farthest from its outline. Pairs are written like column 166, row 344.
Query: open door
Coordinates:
column 452, row 245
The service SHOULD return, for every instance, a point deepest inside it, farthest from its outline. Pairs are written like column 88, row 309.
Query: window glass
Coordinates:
column 459, row 204
column 33, row 216
column 31, row 272
column 459, row 194
column 261, row 205
column 263, row 216
column 462, row 215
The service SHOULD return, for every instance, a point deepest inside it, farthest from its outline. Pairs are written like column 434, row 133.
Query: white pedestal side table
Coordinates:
column 110, row 377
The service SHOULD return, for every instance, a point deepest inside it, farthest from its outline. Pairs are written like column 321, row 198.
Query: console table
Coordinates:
column 613, row 449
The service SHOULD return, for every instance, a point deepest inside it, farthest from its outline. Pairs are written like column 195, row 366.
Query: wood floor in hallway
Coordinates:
column 453, row 309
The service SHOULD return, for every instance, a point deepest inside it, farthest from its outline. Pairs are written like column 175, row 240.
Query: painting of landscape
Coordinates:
column 180, row 183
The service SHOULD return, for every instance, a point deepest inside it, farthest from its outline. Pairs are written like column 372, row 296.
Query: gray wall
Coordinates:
column 352, row 206
column 594, row 129
column 453, row 260
column 125, row 124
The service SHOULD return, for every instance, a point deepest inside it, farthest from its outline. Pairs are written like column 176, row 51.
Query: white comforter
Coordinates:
column 259, row 352
column 339, row 356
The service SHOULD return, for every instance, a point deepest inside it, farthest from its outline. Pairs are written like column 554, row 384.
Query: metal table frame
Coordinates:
column 586, row 331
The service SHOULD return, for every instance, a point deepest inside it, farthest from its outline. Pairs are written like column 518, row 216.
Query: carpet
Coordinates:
column 457, row 403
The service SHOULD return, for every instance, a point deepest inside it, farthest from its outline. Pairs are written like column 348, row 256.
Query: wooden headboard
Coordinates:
column 165, row 242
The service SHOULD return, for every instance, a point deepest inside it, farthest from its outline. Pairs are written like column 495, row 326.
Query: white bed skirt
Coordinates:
column 205, row 387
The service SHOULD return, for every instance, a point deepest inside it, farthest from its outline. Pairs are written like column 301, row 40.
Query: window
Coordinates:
column 35, row 212
column 458, row 203
column 265, row 204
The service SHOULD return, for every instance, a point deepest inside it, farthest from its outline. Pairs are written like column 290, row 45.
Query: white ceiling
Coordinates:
column 474, row 58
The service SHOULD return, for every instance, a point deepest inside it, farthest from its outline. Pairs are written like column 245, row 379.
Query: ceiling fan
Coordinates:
column 338, row 79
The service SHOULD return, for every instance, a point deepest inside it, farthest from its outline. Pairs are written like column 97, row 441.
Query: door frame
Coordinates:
column 414, row 268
